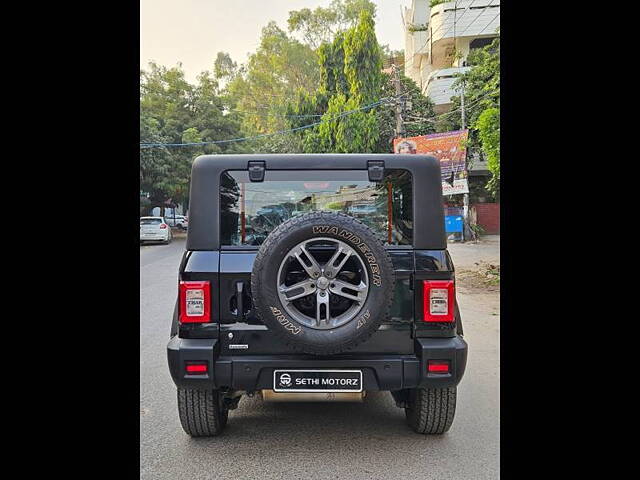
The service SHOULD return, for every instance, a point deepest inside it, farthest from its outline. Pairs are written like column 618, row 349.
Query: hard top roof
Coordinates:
column 204, row 211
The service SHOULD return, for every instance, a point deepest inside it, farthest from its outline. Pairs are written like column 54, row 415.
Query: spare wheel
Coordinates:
column 323, row 282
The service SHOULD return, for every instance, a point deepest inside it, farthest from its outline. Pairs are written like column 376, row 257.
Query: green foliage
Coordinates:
column 351, row 77
column 174, row 111
column 322, row 24
column 488, row 125
column 274, row 74
column 332, row 72
column 391, row 57
column 224, row 67
column 363, row 60
column 433, row 3
column 350, row 72
column 482, row 94
column 421, row 27
column 335, row 205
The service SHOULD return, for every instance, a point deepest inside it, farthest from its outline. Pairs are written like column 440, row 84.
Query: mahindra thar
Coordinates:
column 316, row 278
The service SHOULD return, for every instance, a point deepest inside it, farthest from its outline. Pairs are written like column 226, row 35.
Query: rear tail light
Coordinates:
column 438, row 366
column 438, row 300
column 163, row 226
column 197, row 368
column 195, row 302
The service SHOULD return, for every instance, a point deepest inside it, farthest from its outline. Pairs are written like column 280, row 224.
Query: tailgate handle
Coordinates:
column 376, row 170
column 256, row 170
column 239, row 302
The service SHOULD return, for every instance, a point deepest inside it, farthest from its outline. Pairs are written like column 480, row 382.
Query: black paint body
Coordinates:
column 243, row 352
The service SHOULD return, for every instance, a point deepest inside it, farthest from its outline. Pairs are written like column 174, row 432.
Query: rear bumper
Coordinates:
column 379, row 372
column 154, row 238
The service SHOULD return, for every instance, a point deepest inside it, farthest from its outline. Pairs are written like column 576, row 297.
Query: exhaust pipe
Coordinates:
column 271, row 396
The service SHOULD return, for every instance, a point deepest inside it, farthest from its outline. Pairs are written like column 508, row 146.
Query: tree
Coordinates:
column 174, row 111
column 350, row 79
column 482, row 96
column 155, row 163
column 274, row 73
column 224, row 67
column 488, row 125
column 391, row 57
column 323, row 24
column 350, row 72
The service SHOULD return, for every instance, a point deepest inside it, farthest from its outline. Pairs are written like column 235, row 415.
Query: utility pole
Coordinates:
column 464, row 120
column 465, row 197
column 400, row 131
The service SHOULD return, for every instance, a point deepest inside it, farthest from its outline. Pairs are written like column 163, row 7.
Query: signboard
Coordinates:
column 449, row 148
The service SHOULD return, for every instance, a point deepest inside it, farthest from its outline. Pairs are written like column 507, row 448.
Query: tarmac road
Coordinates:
column 321, row 440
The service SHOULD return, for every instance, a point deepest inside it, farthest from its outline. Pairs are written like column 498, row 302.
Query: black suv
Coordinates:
column 316, row 278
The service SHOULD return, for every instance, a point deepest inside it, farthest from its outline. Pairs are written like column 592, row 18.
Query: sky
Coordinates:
column 193, row 31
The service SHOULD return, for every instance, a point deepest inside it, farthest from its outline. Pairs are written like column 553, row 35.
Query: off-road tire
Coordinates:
column 201, row 412
column 431, row 410
column 302, row 338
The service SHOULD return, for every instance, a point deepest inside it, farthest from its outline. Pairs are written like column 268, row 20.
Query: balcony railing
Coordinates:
column 439, row 84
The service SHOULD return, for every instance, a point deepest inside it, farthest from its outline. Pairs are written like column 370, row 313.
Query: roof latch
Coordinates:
column 376, row 170
column 256, row 170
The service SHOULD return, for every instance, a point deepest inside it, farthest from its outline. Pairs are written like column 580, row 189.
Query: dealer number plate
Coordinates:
column 317, row 380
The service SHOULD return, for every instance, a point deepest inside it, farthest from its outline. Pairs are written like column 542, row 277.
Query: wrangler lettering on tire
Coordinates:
column 323, row 282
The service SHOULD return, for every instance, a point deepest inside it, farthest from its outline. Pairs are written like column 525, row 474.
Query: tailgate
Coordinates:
column 244, row 333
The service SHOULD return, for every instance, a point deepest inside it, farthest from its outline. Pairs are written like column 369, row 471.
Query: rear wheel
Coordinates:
column 431, row 410
column 202, row 412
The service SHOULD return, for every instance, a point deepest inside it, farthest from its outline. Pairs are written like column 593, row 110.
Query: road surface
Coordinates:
column 314, row 441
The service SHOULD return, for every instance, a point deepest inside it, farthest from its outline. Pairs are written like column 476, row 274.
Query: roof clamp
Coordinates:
column 376, row 170
column 256, row 170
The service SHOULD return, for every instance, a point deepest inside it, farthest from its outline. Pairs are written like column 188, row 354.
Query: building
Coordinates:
column 438, row 40
column 434, row 34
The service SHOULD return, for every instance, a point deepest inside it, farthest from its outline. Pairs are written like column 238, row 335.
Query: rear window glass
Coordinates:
column 249, row 211
column 150, row 221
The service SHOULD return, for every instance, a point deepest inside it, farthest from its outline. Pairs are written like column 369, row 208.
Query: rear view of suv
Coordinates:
column 316, row 278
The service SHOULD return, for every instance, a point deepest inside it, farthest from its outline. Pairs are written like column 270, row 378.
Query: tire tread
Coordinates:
column 200, row 413
column 432, row 410
column 273, row 239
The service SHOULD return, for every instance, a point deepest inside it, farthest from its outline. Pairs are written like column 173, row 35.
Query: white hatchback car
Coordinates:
column 179, row 222
column 154, row 229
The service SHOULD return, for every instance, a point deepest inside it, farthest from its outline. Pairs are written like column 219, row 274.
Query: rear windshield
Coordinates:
column 150, row 221
column 250, row 211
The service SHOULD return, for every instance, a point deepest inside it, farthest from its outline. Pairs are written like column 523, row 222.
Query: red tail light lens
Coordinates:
column 438, row 366
column 163, row 226
column 195, row 302
column 196, row 368
column 438, row 300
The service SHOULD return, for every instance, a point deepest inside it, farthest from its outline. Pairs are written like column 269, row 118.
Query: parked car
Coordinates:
column 154, row 229
column 323, row 307
column 180, row 222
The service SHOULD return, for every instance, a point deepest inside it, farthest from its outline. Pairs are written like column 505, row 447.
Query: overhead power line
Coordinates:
column 280, row 132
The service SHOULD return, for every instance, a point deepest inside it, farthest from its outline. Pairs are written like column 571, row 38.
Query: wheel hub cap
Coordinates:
column 322, row 283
